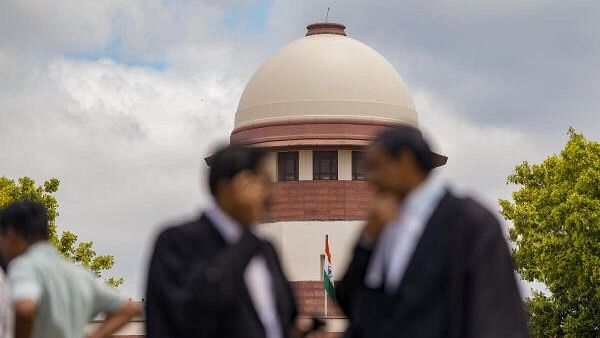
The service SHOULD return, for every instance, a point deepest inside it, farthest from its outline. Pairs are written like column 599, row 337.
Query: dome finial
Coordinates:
column 325, row 28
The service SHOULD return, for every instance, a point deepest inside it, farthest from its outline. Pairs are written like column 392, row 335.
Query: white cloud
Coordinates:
column 480, row 157
column 127, row 143
column 55, row 25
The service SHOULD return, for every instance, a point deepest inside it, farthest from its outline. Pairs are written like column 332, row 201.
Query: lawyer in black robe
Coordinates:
column 460, row 280
column 196, row 284
column 459, row 283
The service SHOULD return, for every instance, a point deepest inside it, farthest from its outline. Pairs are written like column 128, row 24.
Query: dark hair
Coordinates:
column 229, row 161
column 28, row 218
column 398, row 139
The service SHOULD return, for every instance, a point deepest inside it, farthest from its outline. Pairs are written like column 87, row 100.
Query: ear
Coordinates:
column 221, row 189
column 407, row 158
column 241, row 181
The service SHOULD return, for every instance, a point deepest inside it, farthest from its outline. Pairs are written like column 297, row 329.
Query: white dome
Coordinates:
column 326, row 76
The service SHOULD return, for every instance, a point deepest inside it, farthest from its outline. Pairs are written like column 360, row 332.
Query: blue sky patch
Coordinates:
column 115, row 51
column 251, row 16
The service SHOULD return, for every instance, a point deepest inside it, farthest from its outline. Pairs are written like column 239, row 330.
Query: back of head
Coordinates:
column 396, row 140
column 231, row 160
column 28, row 219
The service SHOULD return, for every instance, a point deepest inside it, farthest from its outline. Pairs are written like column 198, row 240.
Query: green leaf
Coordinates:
column 81, row 253
column 556, row 231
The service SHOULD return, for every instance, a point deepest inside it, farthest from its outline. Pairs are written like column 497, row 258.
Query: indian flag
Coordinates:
column 328, row 271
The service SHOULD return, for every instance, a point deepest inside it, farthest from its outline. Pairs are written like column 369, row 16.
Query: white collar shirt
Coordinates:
column 397, row 243
column 256, row 276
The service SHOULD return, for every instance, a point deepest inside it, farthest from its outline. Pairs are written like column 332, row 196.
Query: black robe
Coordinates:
column 460, row 283
column 196, row 286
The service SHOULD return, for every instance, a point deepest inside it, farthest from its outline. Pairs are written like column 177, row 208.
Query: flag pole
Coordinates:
column 325, row 291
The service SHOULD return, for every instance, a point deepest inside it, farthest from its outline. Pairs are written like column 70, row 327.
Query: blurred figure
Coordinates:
column 51, row 296
column 428, row 263
column 6, row 318
column 212, row 276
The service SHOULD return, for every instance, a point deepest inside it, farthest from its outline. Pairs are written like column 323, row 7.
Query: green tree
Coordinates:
column 79, row 252
column 556, row 217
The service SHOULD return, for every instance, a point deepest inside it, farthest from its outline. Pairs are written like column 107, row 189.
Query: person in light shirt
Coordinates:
column 52, row 297
column 428, row 263
column 6, row 317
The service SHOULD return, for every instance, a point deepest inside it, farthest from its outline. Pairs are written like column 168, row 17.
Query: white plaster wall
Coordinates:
column 301, row 244
column 345, row 165
column 305, row 163
column 336, row 324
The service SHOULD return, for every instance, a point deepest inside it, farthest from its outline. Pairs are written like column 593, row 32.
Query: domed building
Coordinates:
column 314, row 105
column 325, row 89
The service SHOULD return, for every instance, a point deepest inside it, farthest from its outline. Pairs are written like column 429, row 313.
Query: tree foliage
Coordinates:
column 556, row 217
column 79, row 252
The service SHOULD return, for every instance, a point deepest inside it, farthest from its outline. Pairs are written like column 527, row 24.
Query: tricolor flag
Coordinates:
column 328, row 271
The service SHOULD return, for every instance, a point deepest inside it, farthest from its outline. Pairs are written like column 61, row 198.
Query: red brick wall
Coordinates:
column 310, row 298
column 320, row 200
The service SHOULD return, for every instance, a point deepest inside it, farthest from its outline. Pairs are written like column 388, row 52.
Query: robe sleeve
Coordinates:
column 346, row 289
column 180, row 288
column 494, row 308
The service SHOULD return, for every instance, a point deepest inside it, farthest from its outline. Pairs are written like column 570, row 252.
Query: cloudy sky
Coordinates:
column 121, row 100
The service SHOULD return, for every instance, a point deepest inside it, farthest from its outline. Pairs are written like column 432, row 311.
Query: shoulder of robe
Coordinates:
column 175, row 234
column 477, row 218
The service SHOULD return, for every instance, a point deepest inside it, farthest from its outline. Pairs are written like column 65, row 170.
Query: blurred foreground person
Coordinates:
column 6, row 318
column 52, row 297
column 428, row 263
column 212, row 276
